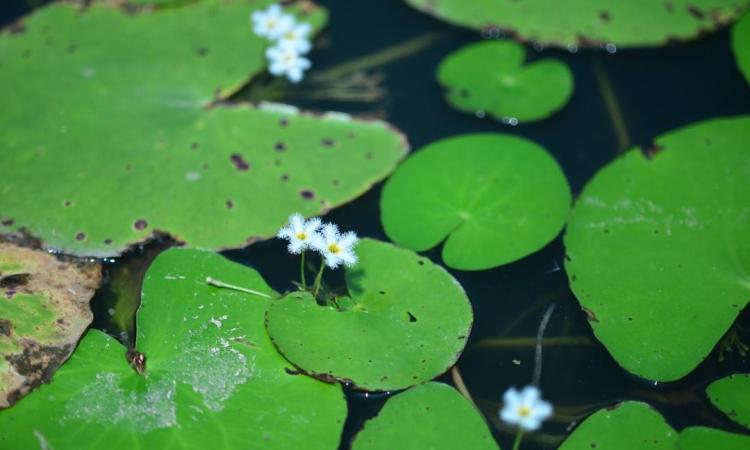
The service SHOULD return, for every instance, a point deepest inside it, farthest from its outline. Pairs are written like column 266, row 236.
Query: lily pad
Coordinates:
column 496, row 198
column 430, row 416
column 658, row 248
column 732, row 395
column 627, row 426
column 139, row 119
column 741, row 45
column 583, row 23
column 702, row 438
column 408, row 322
column 212, row 377
column 491, row 77
column 44, row 310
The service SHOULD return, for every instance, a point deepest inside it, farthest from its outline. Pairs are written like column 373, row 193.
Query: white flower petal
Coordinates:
column 312, row 225
column 529, row 396
column 330, row 233
column 294, row 75
column 541, row 410
column 509, row 415
column 529, row 423
column 511, row 397
column 297, row 222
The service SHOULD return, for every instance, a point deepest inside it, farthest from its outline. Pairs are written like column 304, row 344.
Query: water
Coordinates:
column 657, row 90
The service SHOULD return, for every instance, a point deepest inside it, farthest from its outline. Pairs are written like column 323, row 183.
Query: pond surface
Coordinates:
column 651, row 91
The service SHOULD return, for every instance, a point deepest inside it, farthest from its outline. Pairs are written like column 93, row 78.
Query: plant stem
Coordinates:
column 220, row 284
column 302, row 271
column 613, row 107
column 517, row 440
column 318, row 277
column 458, row 381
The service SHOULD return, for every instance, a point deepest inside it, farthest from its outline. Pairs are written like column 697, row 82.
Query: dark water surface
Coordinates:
column 657, row 90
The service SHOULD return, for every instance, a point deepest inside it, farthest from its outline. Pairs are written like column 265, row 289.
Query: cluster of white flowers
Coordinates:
column 291, row 42
column 525, row 408
column 335, row 247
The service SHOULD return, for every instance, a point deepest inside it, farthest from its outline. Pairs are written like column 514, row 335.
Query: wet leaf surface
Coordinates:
column 44, row 310
column 407, row 322
column 430, row 416
column 658, row 247
column 493, row 198
column 139, row 119
column 491, row 77
column 212, row 377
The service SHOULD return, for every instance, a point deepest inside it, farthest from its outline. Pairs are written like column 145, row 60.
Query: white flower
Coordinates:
column 300, row 233
column 272, row 22
column 335, row 247
column 525, row 408
column 296, row 38
column 287, row 61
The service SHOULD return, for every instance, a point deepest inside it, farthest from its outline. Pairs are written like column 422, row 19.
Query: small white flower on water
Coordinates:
column 335, row 247
column 525, row 408
column 272, row 22
column 288, row 62
column 300, row 233
column 296, row 38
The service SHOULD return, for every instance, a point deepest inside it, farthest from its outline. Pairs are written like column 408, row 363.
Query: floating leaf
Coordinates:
column 491, row 77
column 408, row 322
column 732, row 396
column 497, row 198
column 702, row 438
column 44, row 310
column 741, row 45
column 627, row 426
column 659, row 248
column 212, row 377
column 136, row 117
column 583, row 23
column 430, row 416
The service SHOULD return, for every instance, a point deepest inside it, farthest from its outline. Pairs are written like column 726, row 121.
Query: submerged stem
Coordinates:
column 318, row 277
column 539, row 336
column 613, row 107
column 220, row 284
column 458, row 381
column 302, row 271
column 517, row 440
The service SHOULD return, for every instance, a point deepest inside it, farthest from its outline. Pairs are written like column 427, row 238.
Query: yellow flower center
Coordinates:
column 524, row 411
column 333, row 248
column 301, row 236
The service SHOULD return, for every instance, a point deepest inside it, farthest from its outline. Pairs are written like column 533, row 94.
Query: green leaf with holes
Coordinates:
column 627, row 426
column 703, row 438
column 741, row 45
column 490, row 77
column 212, row 378
column 406, row 322
column 732, row 396
column 430, row 416
column 136, row 138
column 496, row 198
column 44, row 310
column 583, row 23
column 658, row 247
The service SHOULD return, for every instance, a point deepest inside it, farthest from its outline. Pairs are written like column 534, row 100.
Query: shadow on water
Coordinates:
column 654, row 91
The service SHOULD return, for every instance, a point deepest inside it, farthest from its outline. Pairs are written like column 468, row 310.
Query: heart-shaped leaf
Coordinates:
column 430, row 416
column 497, row 198
column 741, row 45
column 702, row 438
column 732, row 396
column 659, row 248
column 627, row 426
column 136, row 116
column 491, row 77
column 212, row 377
column 583, row 23
column 44, row 309
column 408, row 322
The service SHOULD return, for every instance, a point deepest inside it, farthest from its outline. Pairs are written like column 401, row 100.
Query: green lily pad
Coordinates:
column 408, row 322
column 44, row 310
column 491, row 77
column 430, row 416
column 627, row 426
column 732, row 395
column 741, row 45
column 138, row 119
column 659, row 248
column 702, row 438
column 212, row 377
column 583, row 23
column 496, row 198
